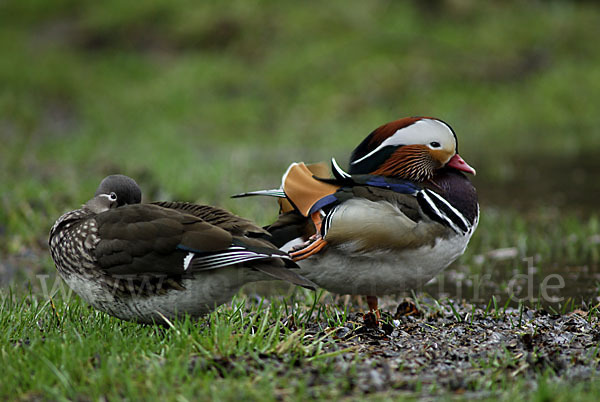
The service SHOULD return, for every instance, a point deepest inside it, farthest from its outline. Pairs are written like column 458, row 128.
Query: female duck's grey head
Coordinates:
column 102, row 203
column 125, row 188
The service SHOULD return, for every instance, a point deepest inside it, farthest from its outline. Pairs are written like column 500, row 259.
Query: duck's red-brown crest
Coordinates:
column 381, row 133
column 377, row 137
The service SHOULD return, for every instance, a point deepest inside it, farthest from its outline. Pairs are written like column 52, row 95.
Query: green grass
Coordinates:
column 74, row 351
column 239, row 351
column 264, row 350
column 200, row 101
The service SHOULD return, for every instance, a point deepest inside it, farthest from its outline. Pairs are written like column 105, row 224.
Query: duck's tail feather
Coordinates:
column 277, row 192
column 286, row 275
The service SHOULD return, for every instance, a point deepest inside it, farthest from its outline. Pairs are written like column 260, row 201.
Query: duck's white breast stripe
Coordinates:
column 328, row 219
column 457, row 213
column 439, row 213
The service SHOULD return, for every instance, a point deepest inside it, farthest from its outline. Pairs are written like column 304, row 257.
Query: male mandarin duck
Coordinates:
column 402, row 213
column 148, row 262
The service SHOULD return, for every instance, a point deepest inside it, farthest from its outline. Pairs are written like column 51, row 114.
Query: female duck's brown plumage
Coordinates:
column 147, row 262
column 402, row 213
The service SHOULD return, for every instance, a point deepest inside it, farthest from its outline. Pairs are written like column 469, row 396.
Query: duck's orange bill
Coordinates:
column 459, row 163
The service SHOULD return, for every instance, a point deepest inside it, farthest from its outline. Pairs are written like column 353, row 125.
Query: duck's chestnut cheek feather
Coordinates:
column 458, row 163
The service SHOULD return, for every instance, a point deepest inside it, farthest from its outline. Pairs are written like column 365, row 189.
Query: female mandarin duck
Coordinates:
column 402, row 213
column 148, row 262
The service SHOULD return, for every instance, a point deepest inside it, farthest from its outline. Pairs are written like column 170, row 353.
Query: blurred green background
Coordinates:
column 200, row 100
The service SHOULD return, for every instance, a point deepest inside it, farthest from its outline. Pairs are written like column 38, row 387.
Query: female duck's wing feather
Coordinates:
column 216, row 216
column 150, row 239
column 245, row 234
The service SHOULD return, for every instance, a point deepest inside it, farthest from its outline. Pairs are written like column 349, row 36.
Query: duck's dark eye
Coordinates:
column 113, row 197
column 435, row 144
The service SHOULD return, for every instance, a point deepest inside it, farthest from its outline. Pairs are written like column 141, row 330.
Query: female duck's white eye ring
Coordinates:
column 112, row 197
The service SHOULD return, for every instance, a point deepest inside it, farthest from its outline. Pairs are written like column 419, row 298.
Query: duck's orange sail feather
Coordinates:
column 303, row 189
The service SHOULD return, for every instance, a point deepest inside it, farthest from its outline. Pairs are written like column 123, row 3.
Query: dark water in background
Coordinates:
column 525, row 184
column 569, row 186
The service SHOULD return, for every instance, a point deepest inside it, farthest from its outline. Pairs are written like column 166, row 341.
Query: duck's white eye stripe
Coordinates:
column 424, row 131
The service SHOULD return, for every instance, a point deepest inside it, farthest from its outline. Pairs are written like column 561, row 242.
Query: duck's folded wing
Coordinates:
column 290, row 226
column 139, row 239
column 219, row 217
column 149, row 239
column 378, row 219
column 258, row 254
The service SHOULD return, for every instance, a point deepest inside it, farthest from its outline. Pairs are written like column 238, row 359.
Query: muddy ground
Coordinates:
column 437, row 347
